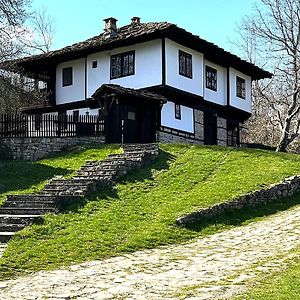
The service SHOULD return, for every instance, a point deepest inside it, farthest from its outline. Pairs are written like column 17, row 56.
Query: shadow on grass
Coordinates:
column 110, row 192
column 238, row 217
column 21, row 175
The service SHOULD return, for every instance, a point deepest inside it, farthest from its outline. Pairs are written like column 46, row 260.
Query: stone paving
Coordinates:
column 214, row 267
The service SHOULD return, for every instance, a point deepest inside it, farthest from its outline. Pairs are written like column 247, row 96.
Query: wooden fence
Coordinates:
column 50, row 125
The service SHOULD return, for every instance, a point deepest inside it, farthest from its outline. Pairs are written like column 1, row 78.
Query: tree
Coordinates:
column 22, row 32
column 272, row 36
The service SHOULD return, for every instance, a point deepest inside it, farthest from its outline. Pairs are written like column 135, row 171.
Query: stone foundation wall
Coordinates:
column 36, row 148
column 165, row 137
column 221, row 131
column 283, row 189
column 199, row 124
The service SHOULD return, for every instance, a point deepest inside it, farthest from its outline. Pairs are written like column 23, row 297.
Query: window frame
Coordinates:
column 240, row 87
column 177, row 110
column 67, row 81
column 185, row 63
column 211, row 82
column 121, row 57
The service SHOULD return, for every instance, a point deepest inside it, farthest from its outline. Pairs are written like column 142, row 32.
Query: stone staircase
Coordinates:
column 19, row 211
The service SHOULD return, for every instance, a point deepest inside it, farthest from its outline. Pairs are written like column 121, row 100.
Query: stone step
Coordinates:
column 100, row 168
column 62, row 193
column 68, row 184
column 32, row 197
column 19, row 219
column 26, row 211
column 96, row 178
column 96, row 173
column 11, row 227
column 29, row 203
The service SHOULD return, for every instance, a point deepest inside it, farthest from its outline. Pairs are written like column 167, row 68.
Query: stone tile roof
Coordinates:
column 123, row 33
column 130, row 35
column 120, row 90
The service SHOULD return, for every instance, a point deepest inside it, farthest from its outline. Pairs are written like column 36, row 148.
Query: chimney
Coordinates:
column 135, row 20
column 110, row 27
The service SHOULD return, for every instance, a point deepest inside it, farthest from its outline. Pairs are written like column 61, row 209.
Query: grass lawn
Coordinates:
column 284, row 285
column 141, row 211
column 23, row 177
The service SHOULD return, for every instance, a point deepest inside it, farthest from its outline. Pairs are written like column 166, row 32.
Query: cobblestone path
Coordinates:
column 214, row 267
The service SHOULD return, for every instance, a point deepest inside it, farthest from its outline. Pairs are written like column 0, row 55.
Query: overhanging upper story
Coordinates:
column 145, row 55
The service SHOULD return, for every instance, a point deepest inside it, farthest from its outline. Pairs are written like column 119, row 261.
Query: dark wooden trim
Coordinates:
column 228, row 86
column 163, row 61
column 85, row 78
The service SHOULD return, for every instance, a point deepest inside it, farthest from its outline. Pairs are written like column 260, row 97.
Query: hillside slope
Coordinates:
column 140, row 211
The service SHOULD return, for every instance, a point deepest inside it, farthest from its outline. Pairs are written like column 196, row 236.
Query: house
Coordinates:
column 150, row 81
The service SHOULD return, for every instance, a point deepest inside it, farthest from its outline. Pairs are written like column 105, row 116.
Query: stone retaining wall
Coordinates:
column 283, row 189
column 36, row 148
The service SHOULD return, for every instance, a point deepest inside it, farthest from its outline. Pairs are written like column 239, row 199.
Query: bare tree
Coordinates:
column 13, row 14
column 39, row 36
column 273, row 39
column 17, row 39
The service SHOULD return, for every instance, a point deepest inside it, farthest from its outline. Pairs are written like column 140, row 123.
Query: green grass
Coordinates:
column 23, row 177
column 283, row 285
column 140, row 211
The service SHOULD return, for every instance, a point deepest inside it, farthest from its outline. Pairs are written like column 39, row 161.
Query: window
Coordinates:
column 211, row 78
column 240, row 87
column 122, row 65
column 67, row 76
column 177, row 111
column 185, row 64
column 94, row 64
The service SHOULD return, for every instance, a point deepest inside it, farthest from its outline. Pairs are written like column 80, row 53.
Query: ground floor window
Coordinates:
column 177, row 111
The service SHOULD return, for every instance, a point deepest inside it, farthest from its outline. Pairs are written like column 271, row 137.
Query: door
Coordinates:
column 131, row 123
column 210, row 128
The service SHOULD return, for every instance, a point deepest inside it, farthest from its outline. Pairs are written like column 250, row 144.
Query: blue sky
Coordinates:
column 213, row 20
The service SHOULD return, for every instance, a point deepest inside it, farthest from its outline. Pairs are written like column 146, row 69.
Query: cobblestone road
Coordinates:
column 214, row 267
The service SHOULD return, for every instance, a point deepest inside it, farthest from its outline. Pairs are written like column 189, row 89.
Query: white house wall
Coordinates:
column 173, row 78
column 84, row 111
column 148, row 67
column 237, row 102
column 76, row 91
column 168, row 117
column 220, row 95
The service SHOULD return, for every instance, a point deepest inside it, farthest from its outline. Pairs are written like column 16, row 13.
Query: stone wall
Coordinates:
column 283, row 189
column 199, row 125
column 168, row 137
column 36, row 148
column 221, row 131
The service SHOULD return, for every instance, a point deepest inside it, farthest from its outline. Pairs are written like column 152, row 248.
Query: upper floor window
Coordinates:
column 67, row 76
column 122, row 65
column 211, row 78
column 185, row 64
column 240, row 87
